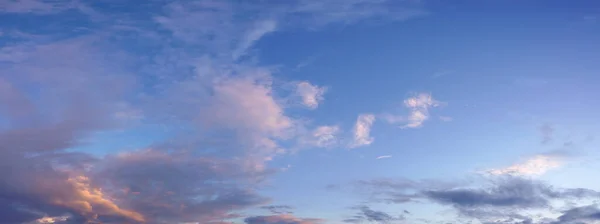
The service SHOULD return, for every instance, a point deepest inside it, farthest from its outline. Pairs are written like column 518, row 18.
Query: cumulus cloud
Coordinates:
column 311, row 95
column 536, row 165
column 418, row 106
column 362, row 131
column 281, row 219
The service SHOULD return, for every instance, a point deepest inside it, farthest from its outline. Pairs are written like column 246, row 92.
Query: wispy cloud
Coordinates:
column 547, row 132
column 384, row 157
column 322, row 136
column 536, row 165
column 418, row 106
column 311, row 95
column 255, row 33
column 362, row 131
column 35, row 6
column 279, row 209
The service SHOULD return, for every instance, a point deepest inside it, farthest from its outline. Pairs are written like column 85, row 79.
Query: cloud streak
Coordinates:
column 534, row 166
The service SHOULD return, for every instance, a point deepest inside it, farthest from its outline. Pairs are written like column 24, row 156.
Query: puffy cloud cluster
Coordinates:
column 61, row 84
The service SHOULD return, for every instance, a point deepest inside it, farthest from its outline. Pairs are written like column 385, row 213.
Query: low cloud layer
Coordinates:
column 505, row 198
column 281, row 219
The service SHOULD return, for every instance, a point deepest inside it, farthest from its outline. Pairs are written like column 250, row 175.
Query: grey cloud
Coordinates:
column 41, row 177
column 507, row 192
column 497, row 200
column 281, row 219
column 579, row 215
column 365, row 213
column 178, row 187
column 279, row 209
column 399, row 190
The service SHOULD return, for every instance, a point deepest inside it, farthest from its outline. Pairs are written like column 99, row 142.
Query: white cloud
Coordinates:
column 384, row 157
column 254, row 34
column 350, row 11
column 419, row 106
column 49, row 220
column 323, row 137
column 362, row 131
column 34, row 6
column 534, row 166
column 311, row 95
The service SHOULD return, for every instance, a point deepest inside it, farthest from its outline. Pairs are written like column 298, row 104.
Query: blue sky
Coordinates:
column 299, row 112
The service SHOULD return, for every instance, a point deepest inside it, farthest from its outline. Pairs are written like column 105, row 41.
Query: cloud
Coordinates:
column 257, row 32
column 278, row 209
column 44, row 179
column 225, row 114
column 311, row 95
column 384, row 157
column 281, row 219
column 509, row 198
column 362, row 131
column 507, row 192
column 352, row 11
column 34, row 6
column 418, row 106
column 536, row 165
column 589, row 213
column 184, row 188
column 322, row 137
column 365, row 213
column 547, row 132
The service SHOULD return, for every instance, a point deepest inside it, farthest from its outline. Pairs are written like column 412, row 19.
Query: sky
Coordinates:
column 299, row 112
